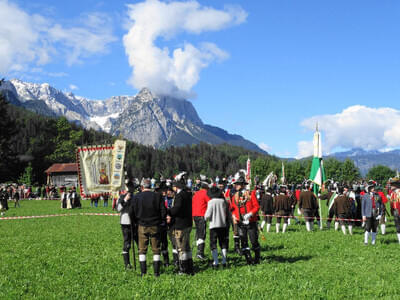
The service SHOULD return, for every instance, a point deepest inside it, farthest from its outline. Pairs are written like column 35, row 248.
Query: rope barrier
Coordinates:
column 57, row 215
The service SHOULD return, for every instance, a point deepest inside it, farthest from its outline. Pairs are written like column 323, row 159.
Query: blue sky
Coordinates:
column 275, row 68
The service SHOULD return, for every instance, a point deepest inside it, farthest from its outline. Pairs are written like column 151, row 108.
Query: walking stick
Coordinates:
column 133, row 246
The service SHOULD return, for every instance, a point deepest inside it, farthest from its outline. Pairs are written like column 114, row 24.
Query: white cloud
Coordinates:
column 173, row 72
column 264, row 147
column 33, row 40
column 304, row 149
column 73, row 87
column 356, row 126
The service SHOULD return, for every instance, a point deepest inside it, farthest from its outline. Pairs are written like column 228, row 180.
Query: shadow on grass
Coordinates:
column 283, row 259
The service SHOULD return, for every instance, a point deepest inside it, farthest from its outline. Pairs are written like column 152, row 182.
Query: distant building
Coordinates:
column 63, row 174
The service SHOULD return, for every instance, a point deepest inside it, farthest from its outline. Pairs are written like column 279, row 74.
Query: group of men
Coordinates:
column 164, row 214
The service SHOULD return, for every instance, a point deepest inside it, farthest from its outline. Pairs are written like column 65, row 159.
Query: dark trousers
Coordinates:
column 247, row 232
column 341, row 218
column 164, row 239
column 282, row 214
column 200, row 224
column 397, row 220
column 127, row 236
column 308, row 214
column 218, row 235
column 371, row 224
column 268, row 218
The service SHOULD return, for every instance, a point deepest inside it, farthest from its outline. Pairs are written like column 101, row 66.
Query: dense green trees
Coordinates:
column 380, row 173
column 39, row 141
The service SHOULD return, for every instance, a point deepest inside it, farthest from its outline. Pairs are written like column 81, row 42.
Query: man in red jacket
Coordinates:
column 199, row 207
column 245, row 208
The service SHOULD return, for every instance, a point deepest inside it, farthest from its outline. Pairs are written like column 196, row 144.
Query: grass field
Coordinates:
column 71, row 257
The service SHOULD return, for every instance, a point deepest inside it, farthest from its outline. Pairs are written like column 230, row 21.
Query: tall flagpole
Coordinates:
column 317, row 173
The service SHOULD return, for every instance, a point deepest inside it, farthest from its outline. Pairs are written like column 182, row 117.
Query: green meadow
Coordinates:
column 79, row 257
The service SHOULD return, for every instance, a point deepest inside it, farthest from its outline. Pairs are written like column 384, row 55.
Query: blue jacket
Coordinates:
column 366, row 206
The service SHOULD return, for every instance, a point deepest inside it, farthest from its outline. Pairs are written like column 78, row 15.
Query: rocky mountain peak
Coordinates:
column 146, row 118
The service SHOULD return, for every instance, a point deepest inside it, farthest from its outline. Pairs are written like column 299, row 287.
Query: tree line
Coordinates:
column 30, row 143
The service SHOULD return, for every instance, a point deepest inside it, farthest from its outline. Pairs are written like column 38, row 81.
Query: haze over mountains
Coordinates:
column 365, row 160
column 144, row 118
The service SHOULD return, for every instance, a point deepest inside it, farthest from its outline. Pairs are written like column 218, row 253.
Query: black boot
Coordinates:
column 237, row 246
column 126, row 261
column 156, row 267
column 190, row 268
column 175, row 258
column 143, row 268
column 166, row 258
column 247, row 255
column 182, row 267
column 200, row 251
column 257, row 256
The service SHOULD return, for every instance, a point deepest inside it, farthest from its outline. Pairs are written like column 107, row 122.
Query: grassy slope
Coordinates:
column 80, row 257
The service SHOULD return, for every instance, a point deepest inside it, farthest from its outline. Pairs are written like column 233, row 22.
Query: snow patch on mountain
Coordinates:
column 104, row 121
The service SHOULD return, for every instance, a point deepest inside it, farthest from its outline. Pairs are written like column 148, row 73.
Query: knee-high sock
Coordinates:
column 343, row 229
column 373, row 238
column 262, row 224
column 366, row 237
column 268, row 227
column 383, row 229
column 308, row 226
column 351, row 229
column 156, row 257
column 277, row 227
column 336, row 226
column 288, row 221
column 284, row 227
column 398, row 237
column 224, row 252
column 215, row 256
column 142, row 257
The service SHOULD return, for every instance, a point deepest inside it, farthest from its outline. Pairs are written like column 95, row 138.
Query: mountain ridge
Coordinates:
column 145, row 118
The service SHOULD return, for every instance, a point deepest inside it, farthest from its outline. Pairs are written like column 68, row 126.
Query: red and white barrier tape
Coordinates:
column 57, row 215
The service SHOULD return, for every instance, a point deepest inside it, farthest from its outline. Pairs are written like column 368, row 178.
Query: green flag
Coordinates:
column 317, row 173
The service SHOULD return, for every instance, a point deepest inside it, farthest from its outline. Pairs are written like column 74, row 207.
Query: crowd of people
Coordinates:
column 164, row 212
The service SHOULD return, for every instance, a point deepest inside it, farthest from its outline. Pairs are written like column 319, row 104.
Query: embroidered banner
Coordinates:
column 100, row 169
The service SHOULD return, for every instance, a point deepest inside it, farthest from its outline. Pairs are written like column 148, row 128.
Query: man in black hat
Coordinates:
column 283, row 206
column 150, row 213
column 343, row 209
column 308, row 203
column 267, row 208
column 372, row 209
column 245, row 214
column 180, row 215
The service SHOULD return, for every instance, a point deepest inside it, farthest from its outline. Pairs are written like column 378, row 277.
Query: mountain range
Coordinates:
column 145, row 118
column 365, row 160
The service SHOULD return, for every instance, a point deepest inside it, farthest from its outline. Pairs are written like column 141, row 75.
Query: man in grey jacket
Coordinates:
column 217, row 213
column 371, row 208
